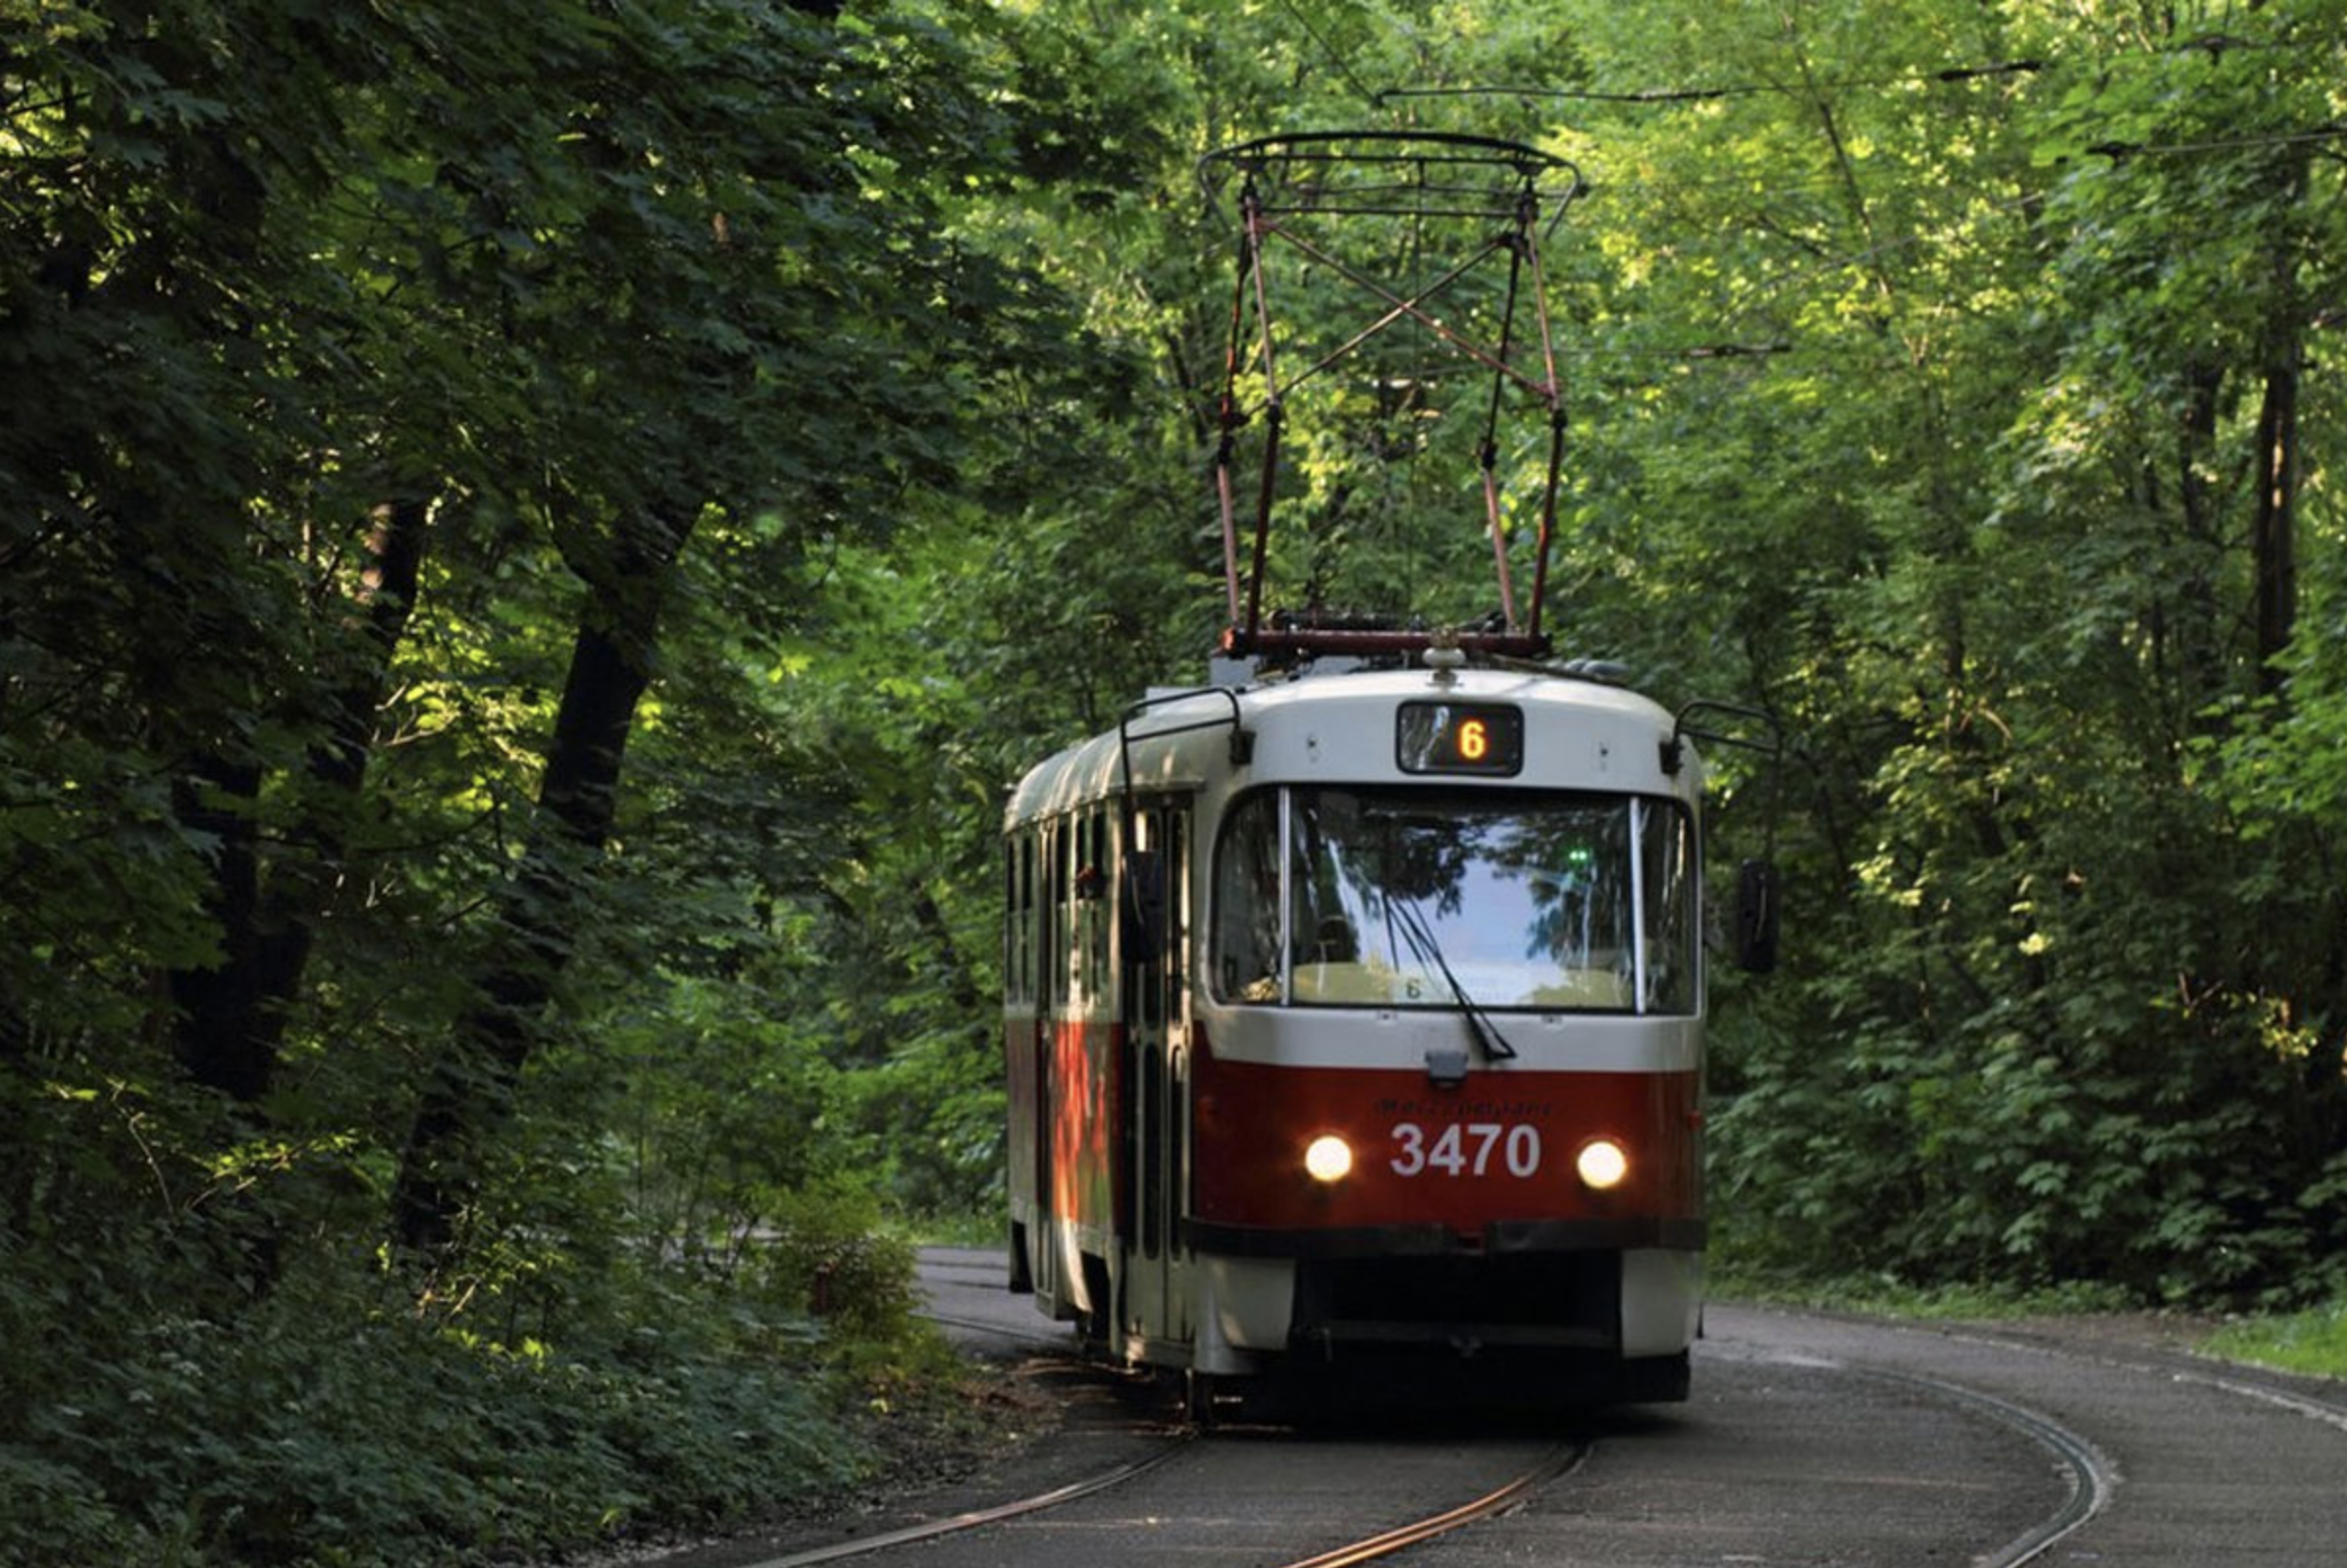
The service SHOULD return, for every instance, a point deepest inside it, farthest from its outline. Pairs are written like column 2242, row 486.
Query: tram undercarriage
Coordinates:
column 1546, row 1328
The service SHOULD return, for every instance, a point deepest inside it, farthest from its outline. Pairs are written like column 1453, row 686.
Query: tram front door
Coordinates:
column 1154, row 1303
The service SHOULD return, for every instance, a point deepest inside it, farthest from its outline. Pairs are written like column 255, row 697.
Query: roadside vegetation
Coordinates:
column 533, row 537
column 2312, row 1343
column 1893, row 1297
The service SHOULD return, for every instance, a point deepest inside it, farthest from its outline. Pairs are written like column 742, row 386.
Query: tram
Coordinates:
column 1362, row 1013
column 1354, row 1000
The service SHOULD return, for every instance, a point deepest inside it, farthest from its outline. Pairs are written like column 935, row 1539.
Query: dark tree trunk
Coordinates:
column 215, row 1033
column 2274, row 540
column 470, row 1092
column 2273, row 547
column 232, row 1015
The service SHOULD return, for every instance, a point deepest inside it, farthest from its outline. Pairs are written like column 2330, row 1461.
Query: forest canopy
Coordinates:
column 534, row 536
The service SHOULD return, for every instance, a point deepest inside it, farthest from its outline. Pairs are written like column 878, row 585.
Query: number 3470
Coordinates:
column 1466, row 1148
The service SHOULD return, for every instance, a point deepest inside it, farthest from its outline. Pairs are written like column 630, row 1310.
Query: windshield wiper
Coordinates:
column 1420, row 938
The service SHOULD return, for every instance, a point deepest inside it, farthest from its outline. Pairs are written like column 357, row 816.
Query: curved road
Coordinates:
column 1810, row 1440
column 2214, row 1464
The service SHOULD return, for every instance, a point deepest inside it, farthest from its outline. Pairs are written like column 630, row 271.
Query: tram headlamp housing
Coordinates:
column 1602, row 1164
column 1329, row 1159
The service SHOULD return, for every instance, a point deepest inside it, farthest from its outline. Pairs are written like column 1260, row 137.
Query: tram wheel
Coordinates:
column 1198, row 1397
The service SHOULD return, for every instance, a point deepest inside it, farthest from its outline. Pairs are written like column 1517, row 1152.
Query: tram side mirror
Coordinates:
column 1143, row 914
column 1756, row 916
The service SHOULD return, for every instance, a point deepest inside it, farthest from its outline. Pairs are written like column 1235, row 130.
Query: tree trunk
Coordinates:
column 2273, row 544
column 2196, row 617
column 232, row 1015
column 469, row 1094
column 2274, row 547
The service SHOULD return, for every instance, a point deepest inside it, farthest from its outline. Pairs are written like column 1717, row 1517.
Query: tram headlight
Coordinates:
column 1602, row 1164
column 1329, row 1158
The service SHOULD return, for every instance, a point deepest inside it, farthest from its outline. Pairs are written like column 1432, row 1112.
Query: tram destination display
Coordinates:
column 1459, row 738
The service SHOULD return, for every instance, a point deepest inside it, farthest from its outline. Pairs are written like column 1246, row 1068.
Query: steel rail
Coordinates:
column 1560, row 1461
column 1017, row 1333
column 2092, row 1477
column 977, row 1518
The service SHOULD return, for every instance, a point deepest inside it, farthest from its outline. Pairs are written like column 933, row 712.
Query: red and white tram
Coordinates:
column 1354, row 1003
column 1364, row 1012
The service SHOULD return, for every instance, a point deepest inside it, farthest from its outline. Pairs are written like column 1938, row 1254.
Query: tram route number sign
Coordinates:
column 1459, row 738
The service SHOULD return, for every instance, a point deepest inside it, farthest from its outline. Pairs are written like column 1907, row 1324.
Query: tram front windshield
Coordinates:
column 1425, row 898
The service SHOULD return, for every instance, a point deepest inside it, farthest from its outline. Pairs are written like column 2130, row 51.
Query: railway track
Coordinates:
column 975, row 1519
column 2089, row 1485
column 1180, row 1462
column 2185, row 1461
column 2090, row 1477
column 1811, row 1438
column 1557, row 1462
column 1509, row 1494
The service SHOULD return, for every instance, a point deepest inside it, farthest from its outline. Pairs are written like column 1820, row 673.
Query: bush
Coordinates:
column 333, row 1425
column 828, row 1253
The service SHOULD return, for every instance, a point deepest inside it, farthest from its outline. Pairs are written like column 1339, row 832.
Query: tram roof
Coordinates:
column 1181, row 739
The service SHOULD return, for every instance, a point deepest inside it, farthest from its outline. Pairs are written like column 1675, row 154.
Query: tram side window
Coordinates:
column 1139, row 905
column 1012, row 922
column 1177, row 904
column 1099, row 909
column 1061, row 854
column 1667, row 844
column 1245, row 944
column 1018, row 918
column 1030, row 916
column 1151, row 913
column 1067, row 855
column 1081, row 864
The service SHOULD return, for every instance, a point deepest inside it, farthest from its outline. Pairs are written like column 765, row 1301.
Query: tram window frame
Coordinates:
column 1141, row 912
column 1175, row 939
column 1014, row 920
column 1248, row 965
column 1029, row 918
column 1085, row 895
column 1061, row 842
column 1104, row 907
column 1670, row 920
column 1081, row 904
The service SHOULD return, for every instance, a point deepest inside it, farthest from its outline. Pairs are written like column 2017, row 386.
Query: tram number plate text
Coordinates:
column 1466, row 1148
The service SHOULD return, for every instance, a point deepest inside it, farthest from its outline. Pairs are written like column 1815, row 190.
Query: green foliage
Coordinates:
column 2312, row 1343
column 1980, row 528
column 279, row 294
column 830, row 1252
column 854, row 377
column 1891, row 1296
column 168, row 1437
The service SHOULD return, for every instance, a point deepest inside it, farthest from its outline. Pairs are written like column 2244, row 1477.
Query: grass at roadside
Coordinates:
column 1895, row 1298
column 2312, row 1343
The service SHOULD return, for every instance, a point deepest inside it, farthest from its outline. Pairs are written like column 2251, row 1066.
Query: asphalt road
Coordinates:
column 1809, row 1440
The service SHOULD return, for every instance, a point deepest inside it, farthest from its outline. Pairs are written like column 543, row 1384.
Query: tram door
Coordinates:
column 1154, row 1004
column 1046, row 968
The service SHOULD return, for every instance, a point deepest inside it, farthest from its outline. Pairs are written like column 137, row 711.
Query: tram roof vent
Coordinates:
column 1231, row 671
